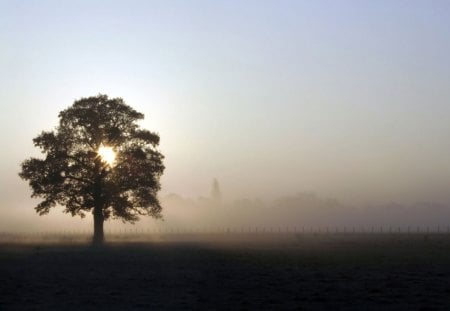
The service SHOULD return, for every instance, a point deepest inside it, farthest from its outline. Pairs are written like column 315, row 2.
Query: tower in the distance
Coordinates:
column 216, row 196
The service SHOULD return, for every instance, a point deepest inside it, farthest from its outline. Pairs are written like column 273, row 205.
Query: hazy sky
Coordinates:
column 350, row 99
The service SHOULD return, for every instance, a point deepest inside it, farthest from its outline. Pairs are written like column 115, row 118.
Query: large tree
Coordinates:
column 97, row 160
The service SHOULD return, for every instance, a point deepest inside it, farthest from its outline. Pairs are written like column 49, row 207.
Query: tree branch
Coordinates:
column 79, row 179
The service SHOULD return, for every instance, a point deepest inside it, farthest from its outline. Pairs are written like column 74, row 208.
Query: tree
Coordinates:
column 97, row 160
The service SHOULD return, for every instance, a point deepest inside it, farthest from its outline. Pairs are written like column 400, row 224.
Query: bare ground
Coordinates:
column 295, row 272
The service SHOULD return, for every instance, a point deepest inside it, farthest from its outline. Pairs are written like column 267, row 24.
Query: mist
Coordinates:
column 301, row 212
column 308, row 114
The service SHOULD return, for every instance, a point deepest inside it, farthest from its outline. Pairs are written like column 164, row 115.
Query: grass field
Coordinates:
column 230, row 272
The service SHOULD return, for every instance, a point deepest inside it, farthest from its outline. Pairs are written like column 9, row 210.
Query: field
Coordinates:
column 230, row 272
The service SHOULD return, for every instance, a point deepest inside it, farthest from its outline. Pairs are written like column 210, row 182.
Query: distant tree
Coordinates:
column 215, row 191
column 97, row 160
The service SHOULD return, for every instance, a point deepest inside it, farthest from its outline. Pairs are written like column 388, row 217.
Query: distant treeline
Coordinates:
column 303, row 209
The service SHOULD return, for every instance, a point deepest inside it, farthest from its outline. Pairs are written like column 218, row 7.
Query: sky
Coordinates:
column 349, row 99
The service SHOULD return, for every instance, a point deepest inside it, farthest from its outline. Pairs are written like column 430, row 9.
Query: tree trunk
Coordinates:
column 99, row 236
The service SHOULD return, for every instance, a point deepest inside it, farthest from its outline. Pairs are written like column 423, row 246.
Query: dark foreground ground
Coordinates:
column 295, row 272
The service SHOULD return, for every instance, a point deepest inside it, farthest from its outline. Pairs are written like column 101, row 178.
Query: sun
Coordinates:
column 107, row 154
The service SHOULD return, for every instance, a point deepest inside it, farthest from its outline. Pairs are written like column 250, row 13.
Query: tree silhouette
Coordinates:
column 97, row 160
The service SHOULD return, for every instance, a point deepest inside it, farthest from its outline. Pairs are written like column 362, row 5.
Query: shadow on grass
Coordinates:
column 306, row 273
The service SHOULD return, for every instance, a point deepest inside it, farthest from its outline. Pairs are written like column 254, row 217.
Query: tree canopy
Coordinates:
column 75, row 174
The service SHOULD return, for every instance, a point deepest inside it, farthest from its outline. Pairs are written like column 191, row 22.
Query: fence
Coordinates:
column 151, row 233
